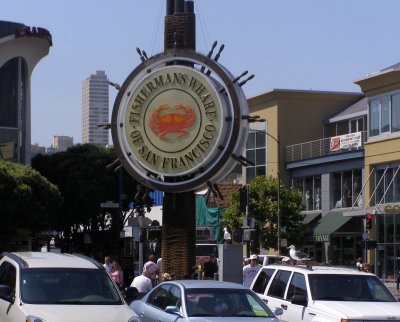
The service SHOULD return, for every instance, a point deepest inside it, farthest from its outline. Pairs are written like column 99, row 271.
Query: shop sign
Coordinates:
column 322, row 238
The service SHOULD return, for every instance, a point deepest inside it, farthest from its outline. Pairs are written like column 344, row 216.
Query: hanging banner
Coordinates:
column 351, row 140
column 347, row 141
column 335, row 143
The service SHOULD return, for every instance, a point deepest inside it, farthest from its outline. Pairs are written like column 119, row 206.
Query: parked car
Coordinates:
column 54, row 287
column 202, row 300
column 323, row 293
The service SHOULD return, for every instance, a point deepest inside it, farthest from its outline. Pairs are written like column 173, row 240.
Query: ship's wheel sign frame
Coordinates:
column 177, row 122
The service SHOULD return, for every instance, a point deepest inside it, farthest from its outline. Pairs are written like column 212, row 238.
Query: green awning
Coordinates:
column 308, row 218
column 329, row 223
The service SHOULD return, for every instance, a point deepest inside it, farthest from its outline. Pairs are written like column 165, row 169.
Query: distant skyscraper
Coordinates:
column 95, row 108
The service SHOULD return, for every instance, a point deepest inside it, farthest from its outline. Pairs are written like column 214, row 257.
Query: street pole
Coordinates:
column 279, row 196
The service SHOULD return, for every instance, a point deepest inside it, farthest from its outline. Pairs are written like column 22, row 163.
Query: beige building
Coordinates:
column 61, row 142
column 292, row 116
column 382, row 168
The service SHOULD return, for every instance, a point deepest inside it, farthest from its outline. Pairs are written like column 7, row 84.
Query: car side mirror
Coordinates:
column 299, row 300
column 6, row 294
column 173, row 310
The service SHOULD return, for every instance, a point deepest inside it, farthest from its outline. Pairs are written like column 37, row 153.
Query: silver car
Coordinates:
column 198, row 300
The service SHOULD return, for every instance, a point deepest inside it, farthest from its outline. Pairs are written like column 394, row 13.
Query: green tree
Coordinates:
column 84, row 181
column 263, row 205
column 28, row 201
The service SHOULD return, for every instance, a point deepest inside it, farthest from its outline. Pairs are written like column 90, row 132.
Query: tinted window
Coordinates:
column 279, row 283
column 297, row 286
column 159, row 296
column 262, row 280
column 363, row 288
column 174, row 297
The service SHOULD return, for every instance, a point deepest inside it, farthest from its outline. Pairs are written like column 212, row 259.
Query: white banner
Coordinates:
column 347, row 141
column 351, row 140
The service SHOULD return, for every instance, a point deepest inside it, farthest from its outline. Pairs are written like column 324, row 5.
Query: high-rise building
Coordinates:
column 95, row 108
column 62, row 143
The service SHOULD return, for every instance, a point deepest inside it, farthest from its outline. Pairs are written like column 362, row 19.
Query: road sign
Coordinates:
column 109, row 204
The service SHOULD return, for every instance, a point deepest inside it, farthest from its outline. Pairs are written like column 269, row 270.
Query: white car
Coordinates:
column 52, row 287
column 325, row 294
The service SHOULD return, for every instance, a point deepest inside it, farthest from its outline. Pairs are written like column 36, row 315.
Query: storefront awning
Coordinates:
column 308, row 218
column 329, row 223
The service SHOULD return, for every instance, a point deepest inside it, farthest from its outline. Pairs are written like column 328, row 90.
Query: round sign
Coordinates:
column 176, row 127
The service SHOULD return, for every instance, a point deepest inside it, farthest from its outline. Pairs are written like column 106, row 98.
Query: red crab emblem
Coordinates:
column 164, row 120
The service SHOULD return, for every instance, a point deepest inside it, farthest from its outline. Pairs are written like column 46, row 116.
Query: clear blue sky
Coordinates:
column 288, row 44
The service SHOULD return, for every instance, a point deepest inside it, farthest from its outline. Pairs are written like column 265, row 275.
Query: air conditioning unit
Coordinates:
column 204, row 233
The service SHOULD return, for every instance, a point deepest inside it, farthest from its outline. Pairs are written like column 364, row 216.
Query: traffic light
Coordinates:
column 368, row 221
column 243, row 199
column 371, row 244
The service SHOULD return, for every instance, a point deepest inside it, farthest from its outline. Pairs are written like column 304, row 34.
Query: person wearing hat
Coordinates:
column 250, row 270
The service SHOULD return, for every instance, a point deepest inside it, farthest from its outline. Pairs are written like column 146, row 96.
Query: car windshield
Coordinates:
column 336, row 287
column 225, row 303
column 68, row 286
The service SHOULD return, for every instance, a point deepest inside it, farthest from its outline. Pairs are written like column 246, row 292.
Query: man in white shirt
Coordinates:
column 142, row 283
column 107, row 264
column 250, row 271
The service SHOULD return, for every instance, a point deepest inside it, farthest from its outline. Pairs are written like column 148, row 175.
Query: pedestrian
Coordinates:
column 359, row 264
column 210, row 267
column 107, row 264
column 250, row 270
column 195, row 273
column 117, row 275
column 151, row 268
column 142, row 283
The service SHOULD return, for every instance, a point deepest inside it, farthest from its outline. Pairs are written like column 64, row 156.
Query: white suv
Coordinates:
column 325, row 294
column 51, row 287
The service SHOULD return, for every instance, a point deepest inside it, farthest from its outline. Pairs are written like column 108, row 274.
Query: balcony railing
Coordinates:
column 317, row 149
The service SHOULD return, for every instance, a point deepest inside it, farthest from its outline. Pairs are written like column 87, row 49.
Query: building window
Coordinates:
column 386, row 185
column 346, row 187
column 384, row 115
column 310, row 188
column 256, row 153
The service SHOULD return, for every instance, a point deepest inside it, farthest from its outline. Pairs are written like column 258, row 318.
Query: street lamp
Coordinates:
column 279, row 183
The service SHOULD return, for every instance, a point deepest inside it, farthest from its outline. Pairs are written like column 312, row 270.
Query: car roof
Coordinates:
column 319, row 269
column 208, row 284
column 53, row 260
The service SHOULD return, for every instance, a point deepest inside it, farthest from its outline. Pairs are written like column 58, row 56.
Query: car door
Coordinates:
column 261, row 281
column 161, row 297
column 10, row 312
column 297, row 287
column 276, row 292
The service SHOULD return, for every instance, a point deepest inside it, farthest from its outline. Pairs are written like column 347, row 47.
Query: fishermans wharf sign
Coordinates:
column 177, row 122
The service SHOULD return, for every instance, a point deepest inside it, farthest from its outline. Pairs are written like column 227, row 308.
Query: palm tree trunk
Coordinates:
column 178, row 234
